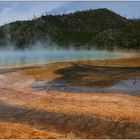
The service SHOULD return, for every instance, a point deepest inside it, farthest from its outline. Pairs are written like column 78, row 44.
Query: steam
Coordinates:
column 40, row 53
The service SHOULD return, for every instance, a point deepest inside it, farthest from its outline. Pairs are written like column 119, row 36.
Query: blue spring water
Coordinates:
column 37, row 56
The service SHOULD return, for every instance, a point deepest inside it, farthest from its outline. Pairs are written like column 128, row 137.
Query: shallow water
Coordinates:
column 86, row 78
column 37, row 56
column 131, row 86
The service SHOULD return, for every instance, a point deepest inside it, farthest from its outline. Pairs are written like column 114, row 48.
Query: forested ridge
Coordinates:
column 100, row 28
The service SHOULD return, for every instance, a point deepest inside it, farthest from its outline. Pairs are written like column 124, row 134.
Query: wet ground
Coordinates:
column 32, row 100
column 99, row 79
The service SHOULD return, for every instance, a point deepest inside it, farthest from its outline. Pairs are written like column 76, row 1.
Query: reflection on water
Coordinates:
column 37, row 56
column 124, row 86
column 86, row 78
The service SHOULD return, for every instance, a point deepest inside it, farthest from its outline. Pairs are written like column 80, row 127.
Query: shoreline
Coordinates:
column 126, row 55
column 98, row 62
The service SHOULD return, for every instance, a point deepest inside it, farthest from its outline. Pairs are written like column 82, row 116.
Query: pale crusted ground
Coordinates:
column 29, row 113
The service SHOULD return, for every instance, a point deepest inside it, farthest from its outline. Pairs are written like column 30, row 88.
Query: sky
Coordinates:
column 12, row 11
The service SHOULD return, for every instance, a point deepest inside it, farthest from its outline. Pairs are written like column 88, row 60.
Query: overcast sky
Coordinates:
column 11, row 11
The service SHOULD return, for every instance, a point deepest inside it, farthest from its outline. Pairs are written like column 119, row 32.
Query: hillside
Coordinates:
column 85, row 29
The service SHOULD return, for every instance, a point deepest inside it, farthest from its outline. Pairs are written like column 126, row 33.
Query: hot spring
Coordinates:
column 83, row 78
column 13, row 57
